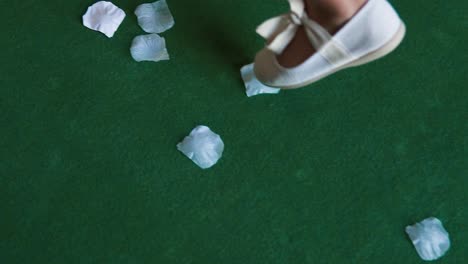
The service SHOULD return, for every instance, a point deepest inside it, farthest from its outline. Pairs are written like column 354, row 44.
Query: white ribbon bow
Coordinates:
column 279, row 31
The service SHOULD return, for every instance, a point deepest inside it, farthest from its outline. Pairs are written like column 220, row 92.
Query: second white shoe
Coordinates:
column 373, row 32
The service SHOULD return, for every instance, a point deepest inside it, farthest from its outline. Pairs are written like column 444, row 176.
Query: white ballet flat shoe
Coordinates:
column 373, row 32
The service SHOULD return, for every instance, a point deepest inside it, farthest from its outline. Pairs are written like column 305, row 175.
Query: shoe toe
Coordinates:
column 266, row 68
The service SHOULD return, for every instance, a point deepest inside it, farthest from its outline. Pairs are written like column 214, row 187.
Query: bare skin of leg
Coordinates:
column 330, row 14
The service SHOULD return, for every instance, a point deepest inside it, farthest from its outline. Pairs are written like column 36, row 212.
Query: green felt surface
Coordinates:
column 331, row 173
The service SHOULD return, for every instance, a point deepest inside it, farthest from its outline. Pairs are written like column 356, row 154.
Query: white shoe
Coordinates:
column 373, row 32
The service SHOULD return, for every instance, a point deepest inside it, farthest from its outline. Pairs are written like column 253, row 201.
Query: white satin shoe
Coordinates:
column 373, row 32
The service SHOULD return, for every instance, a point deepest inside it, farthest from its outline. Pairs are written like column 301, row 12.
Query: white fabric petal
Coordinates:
column 430, row 238
column 149, row 48
column 252, row 85
column 202, row 146
column 104, row 17
column 154, row 17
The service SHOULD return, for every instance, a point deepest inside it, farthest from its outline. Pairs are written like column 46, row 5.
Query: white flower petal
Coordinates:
column 430, row 238
column 202, row 146
column 149, row 48
column 254, row 86
column 154, row 17
column 104, row 17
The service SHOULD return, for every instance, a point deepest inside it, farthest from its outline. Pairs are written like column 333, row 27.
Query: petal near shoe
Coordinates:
column 373, row 32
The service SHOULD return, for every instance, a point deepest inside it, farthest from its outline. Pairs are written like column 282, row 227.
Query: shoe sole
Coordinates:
column 377, row 54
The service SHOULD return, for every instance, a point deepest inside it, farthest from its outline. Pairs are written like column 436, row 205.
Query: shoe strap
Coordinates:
column 279, row 31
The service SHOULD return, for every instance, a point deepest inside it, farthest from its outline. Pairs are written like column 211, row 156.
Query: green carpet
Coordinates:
column 331, row 173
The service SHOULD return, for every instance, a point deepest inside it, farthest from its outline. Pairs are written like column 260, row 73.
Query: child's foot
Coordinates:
column 355, row 33
column 300, row 47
